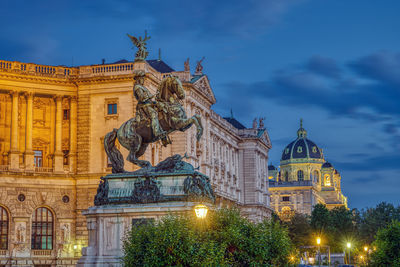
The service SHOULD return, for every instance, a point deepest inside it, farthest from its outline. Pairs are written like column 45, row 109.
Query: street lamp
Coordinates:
column 319, row 252
column 201, row 211
column 366, row 253
column 349, row 246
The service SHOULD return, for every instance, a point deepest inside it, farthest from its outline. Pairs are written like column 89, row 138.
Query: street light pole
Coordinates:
column 349, row 246
column 366, row 253
column 319, row 251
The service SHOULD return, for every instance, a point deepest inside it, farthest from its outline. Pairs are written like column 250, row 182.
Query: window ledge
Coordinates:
column 111, row 116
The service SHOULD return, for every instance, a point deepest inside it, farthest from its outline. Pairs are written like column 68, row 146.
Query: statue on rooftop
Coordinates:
column 140, row 43
column 186, row 64
column 155, row 119
column 255, row 123
column 261, row 124
column 199, row 67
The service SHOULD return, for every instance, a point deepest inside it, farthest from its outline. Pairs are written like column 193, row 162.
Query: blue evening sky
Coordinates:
column 335, row 63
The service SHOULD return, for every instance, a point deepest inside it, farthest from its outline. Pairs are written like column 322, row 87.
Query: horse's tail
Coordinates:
column 113, row 153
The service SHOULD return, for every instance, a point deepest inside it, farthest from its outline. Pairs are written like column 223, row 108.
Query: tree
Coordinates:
column 342, row 228
column 375, row 218
column 387, row 245
column 299, row 230
column 320, row 218
column 224, row 239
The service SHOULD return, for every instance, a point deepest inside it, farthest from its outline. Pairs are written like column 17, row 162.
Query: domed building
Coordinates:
column 305, row 179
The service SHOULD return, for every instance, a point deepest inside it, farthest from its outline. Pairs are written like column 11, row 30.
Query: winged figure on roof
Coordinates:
column 140, row 43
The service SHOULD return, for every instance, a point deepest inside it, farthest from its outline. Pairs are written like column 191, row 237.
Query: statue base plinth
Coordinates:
column 107, row 226
column 124, row 200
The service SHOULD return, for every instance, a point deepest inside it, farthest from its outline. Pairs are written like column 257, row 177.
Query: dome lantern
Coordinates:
column 301, row 132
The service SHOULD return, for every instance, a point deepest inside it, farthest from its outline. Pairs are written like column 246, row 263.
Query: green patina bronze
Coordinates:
column 156, row 117
column 140, row 44
column 171, row 180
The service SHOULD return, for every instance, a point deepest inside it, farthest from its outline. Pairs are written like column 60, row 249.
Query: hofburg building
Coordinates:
column 52, row 123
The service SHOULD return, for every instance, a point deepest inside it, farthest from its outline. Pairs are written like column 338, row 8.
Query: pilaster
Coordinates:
column 14, row 152
column 29, row 157
column 73, row 134
column 58, row 155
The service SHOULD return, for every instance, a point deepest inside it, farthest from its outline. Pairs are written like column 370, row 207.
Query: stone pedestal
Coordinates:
column 107, row 226
column 125, row 199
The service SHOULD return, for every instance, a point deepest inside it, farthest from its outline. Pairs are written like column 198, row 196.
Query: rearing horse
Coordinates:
column 135, row 135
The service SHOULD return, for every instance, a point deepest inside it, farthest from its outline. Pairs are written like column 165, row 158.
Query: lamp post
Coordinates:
column 366, row 253
column 319, row 252
column 349, row 246
column 201, row 211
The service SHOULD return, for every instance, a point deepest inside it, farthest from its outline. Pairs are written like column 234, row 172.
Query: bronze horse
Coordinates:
column 135, row 135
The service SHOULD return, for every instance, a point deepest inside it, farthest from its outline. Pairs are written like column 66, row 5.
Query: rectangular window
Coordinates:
column 111, row 109
column 286, row 198
column 38, row 158
column 66, row 114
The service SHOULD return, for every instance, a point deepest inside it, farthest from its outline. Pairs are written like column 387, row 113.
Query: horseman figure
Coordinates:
column 145, row 108
column 154, row 121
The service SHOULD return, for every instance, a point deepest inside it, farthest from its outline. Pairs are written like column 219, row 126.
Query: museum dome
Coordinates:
column 327, row 165
column 271, row 168
column 301, row 148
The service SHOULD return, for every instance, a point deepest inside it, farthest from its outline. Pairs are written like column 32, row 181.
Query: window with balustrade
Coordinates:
column 42, row 229
column 3, row 228
column 38, row 158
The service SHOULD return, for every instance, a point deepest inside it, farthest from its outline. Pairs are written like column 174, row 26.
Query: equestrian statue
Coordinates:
column 155, row 119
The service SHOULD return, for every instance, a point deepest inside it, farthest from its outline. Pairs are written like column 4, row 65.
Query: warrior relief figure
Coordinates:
column 145, row 107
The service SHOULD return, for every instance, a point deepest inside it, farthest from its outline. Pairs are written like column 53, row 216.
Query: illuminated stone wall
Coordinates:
column 62, row 112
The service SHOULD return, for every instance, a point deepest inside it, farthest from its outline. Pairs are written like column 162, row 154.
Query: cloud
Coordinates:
column 370, row 93
column 382, row 66
column 324, row 66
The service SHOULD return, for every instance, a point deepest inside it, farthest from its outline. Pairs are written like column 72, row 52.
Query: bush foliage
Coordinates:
column 224, row 238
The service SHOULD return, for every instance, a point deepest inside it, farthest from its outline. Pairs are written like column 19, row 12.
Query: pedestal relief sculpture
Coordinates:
column 151, row 192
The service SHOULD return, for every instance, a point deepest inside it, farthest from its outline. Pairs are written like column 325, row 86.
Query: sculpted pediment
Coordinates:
column 265, row 138
column 202, row 84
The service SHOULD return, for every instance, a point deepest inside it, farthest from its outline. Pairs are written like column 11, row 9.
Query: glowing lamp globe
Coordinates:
column 348, row 245
column 201, row 211
column 318, row 240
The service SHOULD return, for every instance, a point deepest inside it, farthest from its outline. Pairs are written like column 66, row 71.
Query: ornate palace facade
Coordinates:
column 52, row 124
column 304, row 180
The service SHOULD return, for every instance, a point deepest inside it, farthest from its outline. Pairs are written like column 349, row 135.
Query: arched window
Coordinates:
column 42, row 229
column 286, row 176
column 300, row 175
column 316, row 176
column 3, row 228
column 327, row 180
column 286, row 213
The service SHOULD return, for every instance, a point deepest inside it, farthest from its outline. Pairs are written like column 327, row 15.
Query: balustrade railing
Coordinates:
column 128, row 67
column 3, row 168
column 35, row 69
column 43, row 169
column 290, row 183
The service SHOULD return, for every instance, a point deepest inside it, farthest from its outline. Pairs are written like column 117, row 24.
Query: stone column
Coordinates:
column 58, row 155
column 73, row 134
column 14, row 152
column 29, row 158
